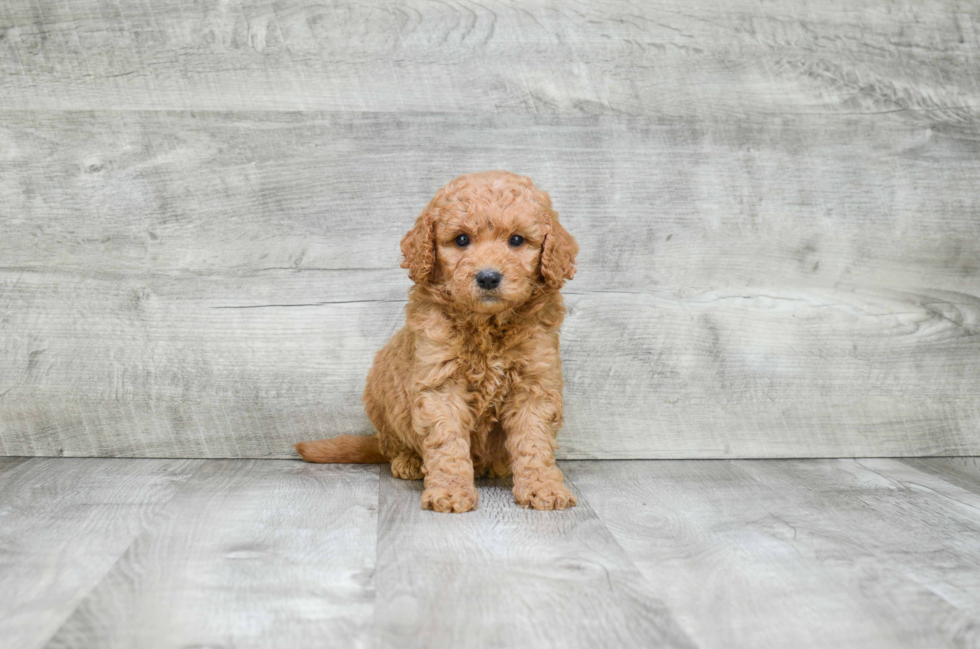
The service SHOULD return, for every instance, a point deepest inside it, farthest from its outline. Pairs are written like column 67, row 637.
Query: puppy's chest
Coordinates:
column 488, row 374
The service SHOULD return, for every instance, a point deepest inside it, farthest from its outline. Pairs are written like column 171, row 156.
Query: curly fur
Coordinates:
column 472, row 385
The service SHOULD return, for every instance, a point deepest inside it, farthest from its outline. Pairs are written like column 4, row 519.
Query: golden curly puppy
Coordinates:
column 472, row 383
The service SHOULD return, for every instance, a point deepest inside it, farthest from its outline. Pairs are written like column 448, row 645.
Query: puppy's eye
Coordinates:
column 462, row 241
column 516, row 240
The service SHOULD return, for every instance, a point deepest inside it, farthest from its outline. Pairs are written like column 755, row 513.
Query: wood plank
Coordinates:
column 945, row 478
column 203, row 284
column 924, row 533
column 248, row 554
column 656, row 203
column 675, row 57
column 65, row 523
column 963, row 472
column 812, row 553
column 502, row 576
column 777, row 375
column 749, row 374
column 8, row 464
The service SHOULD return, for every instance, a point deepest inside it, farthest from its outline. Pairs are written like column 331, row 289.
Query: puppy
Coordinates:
column 472, row 384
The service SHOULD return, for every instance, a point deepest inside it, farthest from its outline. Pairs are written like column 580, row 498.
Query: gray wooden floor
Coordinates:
column 700, row 553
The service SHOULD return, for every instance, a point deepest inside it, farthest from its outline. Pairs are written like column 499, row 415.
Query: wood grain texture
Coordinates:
column 963, row 472
column 63, row 524
column 502, row 576
column 903, row 517
column 809, row 553
column 216, row 284
column 248, row 554
column 8, row 464
column 190, row 553
column 675, row 57
column 675, row 202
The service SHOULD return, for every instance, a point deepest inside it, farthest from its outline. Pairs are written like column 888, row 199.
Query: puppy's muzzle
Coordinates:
column 488, row 280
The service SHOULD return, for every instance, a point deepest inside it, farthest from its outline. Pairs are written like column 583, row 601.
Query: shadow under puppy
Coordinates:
column 472, row 384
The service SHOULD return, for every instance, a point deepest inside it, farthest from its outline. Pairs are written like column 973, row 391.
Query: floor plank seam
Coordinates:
column 154, row 518
column 884, row 560
column 968, row 483
column 645, row 586
column 925, row 487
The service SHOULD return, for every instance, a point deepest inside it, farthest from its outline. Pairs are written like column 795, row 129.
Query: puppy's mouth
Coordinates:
column 487, row 296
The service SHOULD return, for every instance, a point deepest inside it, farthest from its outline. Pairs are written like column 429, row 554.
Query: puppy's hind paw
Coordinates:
column 407, row 466
column 450, row 499
column 544, row 495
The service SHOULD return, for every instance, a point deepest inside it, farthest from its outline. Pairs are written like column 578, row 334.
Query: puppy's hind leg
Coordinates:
column 407, row 465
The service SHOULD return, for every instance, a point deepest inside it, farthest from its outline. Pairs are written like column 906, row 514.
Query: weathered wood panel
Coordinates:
column 215, row 285
column 866, row 553
column 963, row 472
column 155, row 366
column 63, row 524
column 776, row 203
column 503, row 576
column 908, row 520
column 248, row 554
column 809, row 553
column 8, row 464
column 686, row 202
column 676, row 57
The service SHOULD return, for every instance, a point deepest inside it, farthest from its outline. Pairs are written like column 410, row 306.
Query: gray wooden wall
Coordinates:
column 778, row 205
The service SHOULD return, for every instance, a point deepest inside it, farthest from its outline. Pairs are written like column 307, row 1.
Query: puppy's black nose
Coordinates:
column 488, row 279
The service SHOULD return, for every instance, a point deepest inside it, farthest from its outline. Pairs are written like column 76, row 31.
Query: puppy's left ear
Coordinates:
column 559, row 250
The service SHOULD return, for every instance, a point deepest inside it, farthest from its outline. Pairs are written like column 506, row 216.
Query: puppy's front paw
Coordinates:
column 543, row 495
column 450, row 499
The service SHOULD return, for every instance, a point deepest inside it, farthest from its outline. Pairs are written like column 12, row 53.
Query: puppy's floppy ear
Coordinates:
column 559, row 250
column 419, row 245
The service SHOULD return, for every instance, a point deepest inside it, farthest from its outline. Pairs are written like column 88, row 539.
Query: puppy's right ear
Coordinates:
column 419, row 245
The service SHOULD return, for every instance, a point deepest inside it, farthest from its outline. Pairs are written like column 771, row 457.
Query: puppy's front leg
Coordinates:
column 531, row 422
column 444, row 420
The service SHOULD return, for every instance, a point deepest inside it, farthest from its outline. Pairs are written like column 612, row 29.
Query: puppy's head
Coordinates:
column 490, row 240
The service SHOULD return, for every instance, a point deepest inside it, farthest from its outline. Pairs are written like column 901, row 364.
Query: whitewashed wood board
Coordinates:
column 963, row 472
column 102, row 552
column 902, row 517
column 711, row 374
column 810, row 553
column 675, row 57
column 215, row 285
column 777, row 208
column 247, row 554
column 503, row 576
column 677, row 202
column 63, row 525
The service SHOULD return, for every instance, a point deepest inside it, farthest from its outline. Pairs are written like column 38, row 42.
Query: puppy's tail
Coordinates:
column 346, row 449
